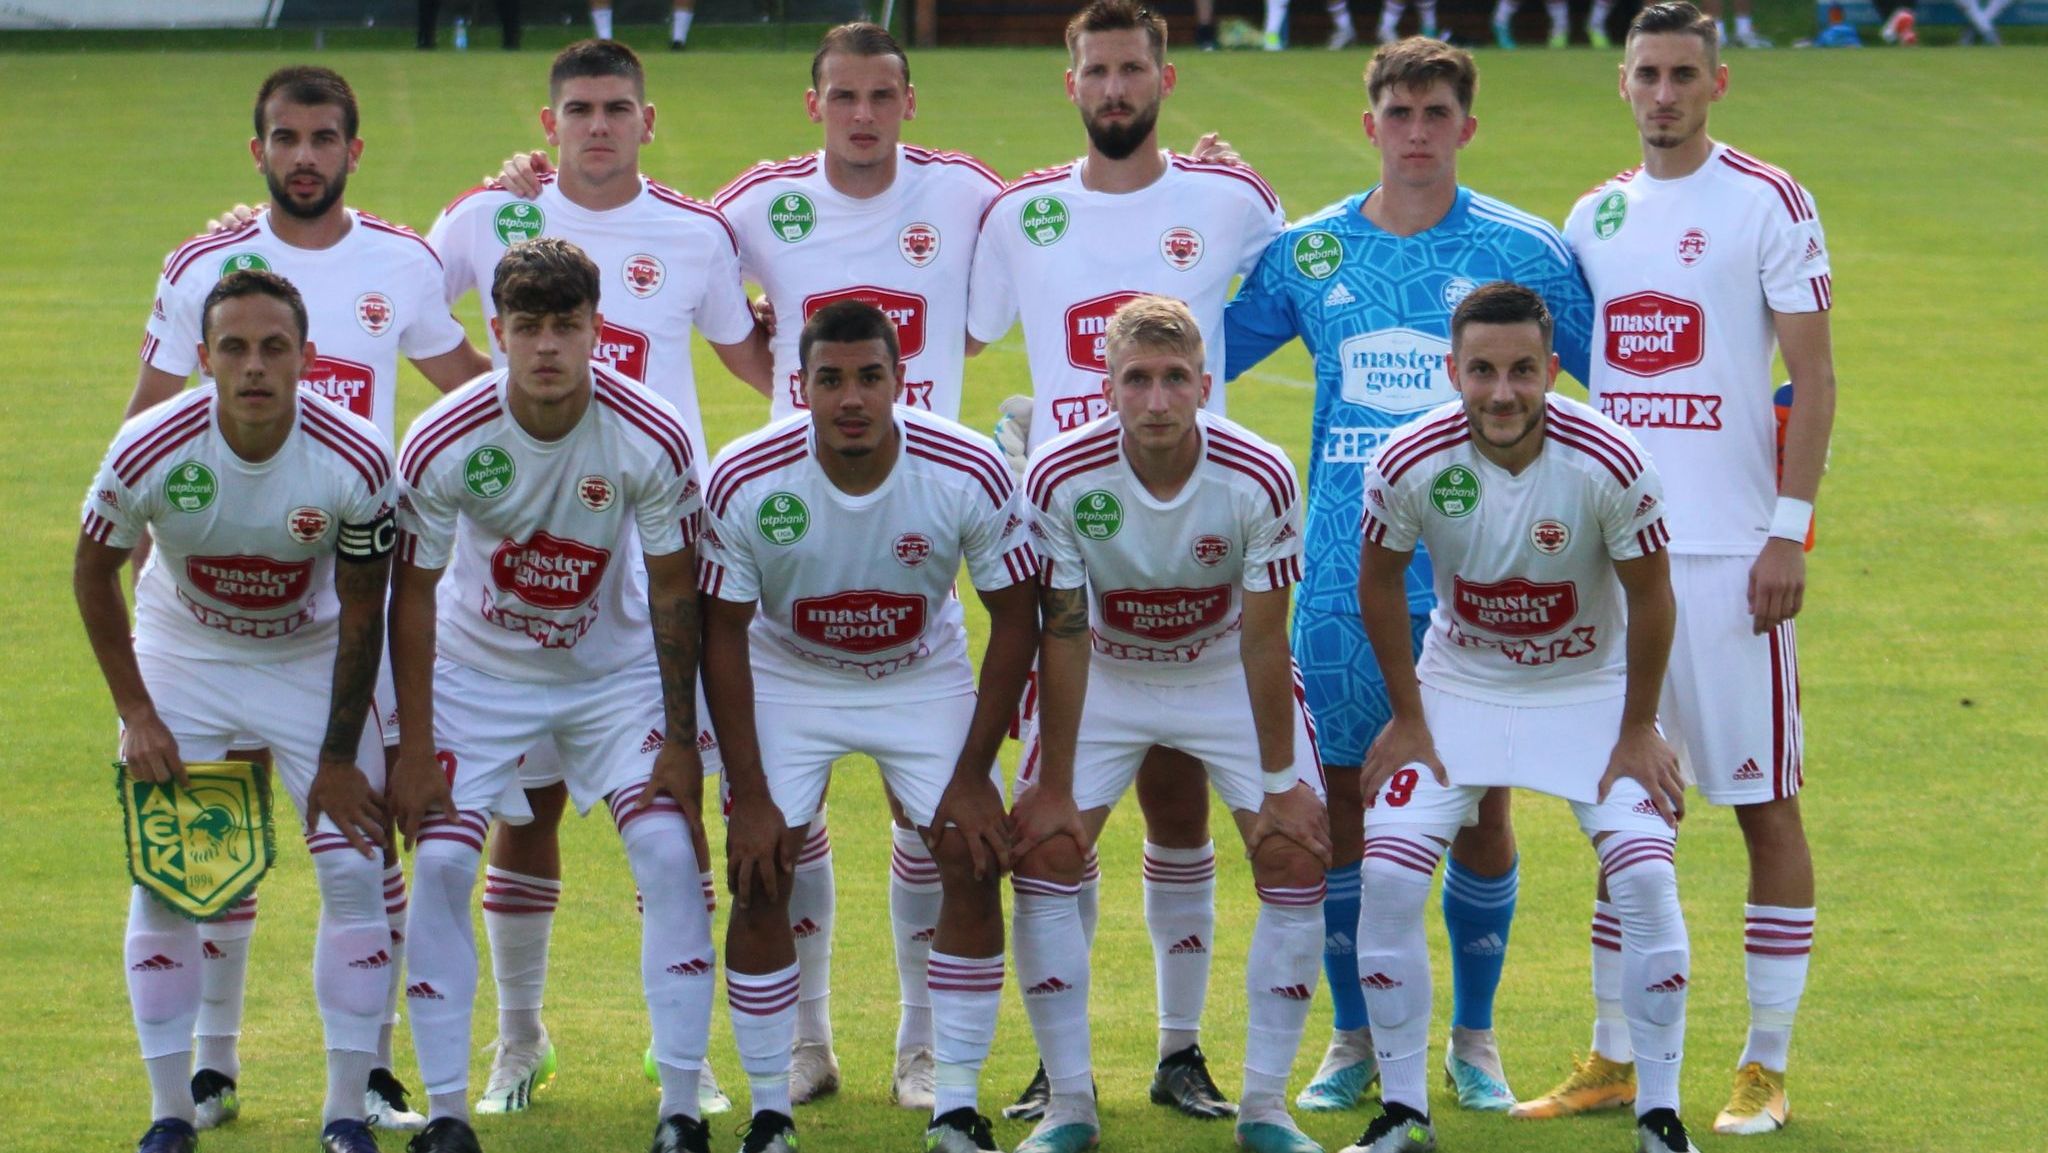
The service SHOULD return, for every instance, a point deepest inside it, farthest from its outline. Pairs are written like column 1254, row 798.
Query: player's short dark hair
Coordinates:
column 1676, row 16
column 313, row 85
column 859, row 38
column 1117, row 16
column 1502, row 302
column 847, row 322
column 592, row 58
column 546, row 275
column 1416, row 62
column 253, row 282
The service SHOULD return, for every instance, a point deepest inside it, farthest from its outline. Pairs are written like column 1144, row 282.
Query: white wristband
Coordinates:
column 1280, row 782
column 1792, row 518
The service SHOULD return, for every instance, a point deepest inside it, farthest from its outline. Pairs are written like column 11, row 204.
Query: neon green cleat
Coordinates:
column 517, row 1072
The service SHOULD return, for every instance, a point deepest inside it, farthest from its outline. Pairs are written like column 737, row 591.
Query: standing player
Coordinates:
column 1168, row 539
column 1552, row 625
column 258, row 504
column 372, row 294
column 1698, row 260
column 851, row 649
column 680, row 19
column 531, row 480
column 1369, row 284
column 670, row 265
column 1063, row 249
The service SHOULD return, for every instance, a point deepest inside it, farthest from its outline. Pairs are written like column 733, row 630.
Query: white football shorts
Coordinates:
column 1731, row 698
column 607, row 732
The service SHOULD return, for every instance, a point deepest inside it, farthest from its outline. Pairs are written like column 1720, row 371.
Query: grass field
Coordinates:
column 1926, row 1023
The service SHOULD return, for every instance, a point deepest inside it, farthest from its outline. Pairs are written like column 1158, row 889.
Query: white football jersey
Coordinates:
column 1685, row 275
column 856, row 593
column 1165, row 579
column 666, row 263
column 1528, row 609
column 1065, row 259
column 906, row 251
column 243, row 568
column 371, row 298
column 532, row 531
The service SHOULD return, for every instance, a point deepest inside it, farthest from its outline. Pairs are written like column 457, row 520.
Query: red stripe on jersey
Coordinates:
column 1622, row 177
column 794, row 167
column 1223, row 459
column 375, row 477
column 1048, row 472
column 1028, row 180
column 674, row 199
column 1449, row 433
column 647, row 428
column 1593, row 449
column 180, row 415
column 1308, row 723
column 917, row 155
column 1281, row 573
column 1269, row 464
column 774, row 453
column 379, row 224
column 1373, row 529
column 431, row 440
column 666, row 430
column 369, row 456
column 1067, row 468
column 756, row 467
column 1236, row 171
column 1022, row 562
column 492, row 185
column 97, row 527
column 1654, row 537
column 1823, row 292
column 1788, row 190
column 149, row 343
column 710, row 577
column 1594, row 432
column 162, row 447
column 965, row 456
column 181, row 257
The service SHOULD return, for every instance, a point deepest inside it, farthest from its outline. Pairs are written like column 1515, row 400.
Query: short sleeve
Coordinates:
column 725, row 556
column 723, row 313
column 667, row 508
column 114, row 514
column 431, row 330
column 452, row 240
column 1388, row 520
column 1264, row 222
column 1632, row 516
column 1273, row 544
column 170, row 340
column 1260, row 318
column 369, row 529
column 997, row 543
column 1052, row 535
column 426, row 515
column 991, row 295
column 1794, row 260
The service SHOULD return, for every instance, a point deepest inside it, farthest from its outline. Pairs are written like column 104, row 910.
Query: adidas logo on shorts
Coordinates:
column 1675, row 983
column 1187, row 944
column 1379, row 981
column 156, row 964
column 653, row 743
column 1048, row 987
column 1750, row 771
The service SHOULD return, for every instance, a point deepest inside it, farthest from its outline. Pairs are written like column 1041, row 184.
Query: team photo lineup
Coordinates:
column 550, row 589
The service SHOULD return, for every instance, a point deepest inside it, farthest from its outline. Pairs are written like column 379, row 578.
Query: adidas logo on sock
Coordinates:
column 804, row 928
column 1187, row 944
column 1750, row 771
column 1048, row 987
column 376, row 960
column 1339, row 943
column 1292, row 992
column 1379, row 981
column 1490, row 945
column 156, row 964
column 694, row 967
column 1337, row 295
column 654, row 742
column 211, row 951
column 1675, row 983
column 423, row 992
column 924, row 936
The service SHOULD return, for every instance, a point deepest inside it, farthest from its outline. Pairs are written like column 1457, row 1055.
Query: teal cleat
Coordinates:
column 1273, row 1137
column 1062, row 1137
column 1346, row 1076
column 1502, row 37
column 1476, row 1088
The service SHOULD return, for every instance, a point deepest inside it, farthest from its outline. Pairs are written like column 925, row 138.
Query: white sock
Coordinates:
column 161, row 955
column 1390, row 16
column 1393, row 960
column 223, row 980
column 1744, row 26
column 1180, row 913
column 1340, row 14
column 348, row 1076
column 1598, row 17
column 1428, row 10
column 1276, row 17
column 1051, row 957
column 1777, row 944
column 170, row 1086
column 1656, row 961
column 679, row 31
column 966, row 995
column 394, row 924
column 440, row 989
column 914, row 895
column 1287, row 947
column 1610, row 1025
column 678, row 964
column 763, row 1007
column 1560, row 17
column 519, row 917
column 351, row 952
column 1503, row 11
column 811, row 908
column 601, row 22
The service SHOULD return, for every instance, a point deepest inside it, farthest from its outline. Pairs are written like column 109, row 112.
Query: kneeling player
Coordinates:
column 845, row 525
column 528, row 482
column 1168, row 538
column 259, row 500
column 1552, row 625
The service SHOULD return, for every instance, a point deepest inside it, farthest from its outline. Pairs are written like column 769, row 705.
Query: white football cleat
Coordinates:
column 517, row 1072
column 915, row 1084
column 813, row 1072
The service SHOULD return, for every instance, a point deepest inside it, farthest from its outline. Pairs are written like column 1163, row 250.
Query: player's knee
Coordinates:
column 1279, row 863
column 351, row 885
column 547, row 803
column 1771, row 824
column 1645, row 896
column 443, row 872
column 1059, row 860
column 659, row 848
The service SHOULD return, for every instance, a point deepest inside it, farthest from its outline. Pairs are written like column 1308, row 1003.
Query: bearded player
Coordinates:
column 260, row 615
column 1699, row 262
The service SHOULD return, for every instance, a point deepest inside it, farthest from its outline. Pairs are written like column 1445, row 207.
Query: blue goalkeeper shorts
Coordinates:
column 1342, row 681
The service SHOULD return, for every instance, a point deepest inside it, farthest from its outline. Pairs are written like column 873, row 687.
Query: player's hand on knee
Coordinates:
column 232, row 219
column 415, row 788
column 1040, row 815
column 1213, row 148
column 972, row 809
column 1641, row 754
column 756, row 850
column 1777, row 584
column 1403, row 743
column 522, row 172
column 150, row 751
column 341, row 793
column 1296, row 815
column 679, row 773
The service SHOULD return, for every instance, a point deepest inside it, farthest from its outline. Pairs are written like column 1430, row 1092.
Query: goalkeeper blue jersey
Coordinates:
column 1374, row 310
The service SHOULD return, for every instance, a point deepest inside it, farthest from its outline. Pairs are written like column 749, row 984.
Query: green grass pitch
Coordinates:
column 1925, row 1025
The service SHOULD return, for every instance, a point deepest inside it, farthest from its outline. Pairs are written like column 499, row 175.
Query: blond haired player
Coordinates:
column 1552, row 623
column 259, row 618
column 1699, row 261
column 1168, row 540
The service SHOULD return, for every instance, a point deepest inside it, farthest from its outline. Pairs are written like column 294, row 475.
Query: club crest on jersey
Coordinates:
column 1318, row 255
column 1649, row 333
column 792, row 216
column 1608, row 216
column 1181, row 248
column 1692, row 247
column 374, row 313
column 1550, row 536
column 595, row 492
column 783, row 519
column 1455, row 491
column 1210, row 549
column 307, row 524
column 644, row 275
column 919, row 244
column 190, row 487
column 1044, row 220
column 1098, row 515
column 913, row 549
column 521, row 220
column 1456, row 289
column 488, row 472
column 244, row 262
